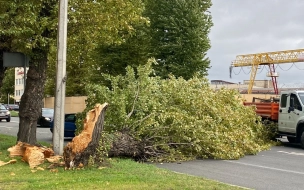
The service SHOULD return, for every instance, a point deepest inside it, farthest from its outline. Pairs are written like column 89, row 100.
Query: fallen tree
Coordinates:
column 175, row 119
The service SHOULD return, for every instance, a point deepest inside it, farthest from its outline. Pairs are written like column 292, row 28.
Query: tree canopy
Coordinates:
column 114, row 58
column 179, row 36
column 8, row 86
column 92, row 24
column 30, row 27
column 176, row 36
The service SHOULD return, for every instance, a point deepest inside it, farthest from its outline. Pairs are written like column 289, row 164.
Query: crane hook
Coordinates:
column 230, row 71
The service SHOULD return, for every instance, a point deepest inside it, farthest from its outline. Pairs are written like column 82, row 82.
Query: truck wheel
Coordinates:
column 291, row 139
column 302, row 138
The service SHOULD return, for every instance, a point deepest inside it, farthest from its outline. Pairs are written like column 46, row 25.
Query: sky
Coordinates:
column 256, row 26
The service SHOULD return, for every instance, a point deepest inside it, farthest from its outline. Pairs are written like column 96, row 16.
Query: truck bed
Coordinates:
column 267, row 110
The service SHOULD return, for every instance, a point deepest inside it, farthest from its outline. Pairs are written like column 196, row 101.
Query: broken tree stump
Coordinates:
column 78, row 152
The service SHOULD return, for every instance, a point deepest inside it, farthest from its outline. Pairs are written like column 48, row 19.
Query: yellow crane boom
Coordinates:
column 267, row 58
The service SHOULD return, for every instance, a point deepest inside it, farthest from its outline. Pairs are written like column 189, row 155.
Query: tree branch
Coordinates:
column 136, row 96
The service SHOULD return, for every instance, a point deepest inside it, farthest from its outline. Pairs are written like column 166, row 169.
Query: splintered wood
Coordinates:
column 33, row 155
column 92, row 124
column 76, row 153
column 9, row 162
column 80, row 142
column 17, row 150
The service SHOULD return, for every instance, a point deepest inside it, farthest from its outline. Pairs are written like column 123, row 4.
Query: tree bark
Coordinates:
column 31, row 100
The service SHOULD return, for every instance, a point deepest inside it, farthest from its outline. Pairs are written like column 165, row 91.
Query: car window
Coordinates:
column 283, row 100
column 2, row 107
column 296, row 102
column 70, row 118
column 301, row 95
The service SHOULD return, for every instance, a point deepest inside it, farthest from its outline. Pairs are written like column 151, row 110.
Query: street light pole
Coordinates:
column 58, row 130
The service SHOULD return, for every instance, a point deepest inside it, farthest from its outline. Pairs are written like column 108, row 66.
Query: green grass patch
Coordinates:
column 121, row 174
column 14, row 113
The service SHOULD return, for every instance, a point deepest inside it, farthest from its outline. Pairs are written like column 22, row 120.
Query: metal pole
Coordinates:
column 58, row 130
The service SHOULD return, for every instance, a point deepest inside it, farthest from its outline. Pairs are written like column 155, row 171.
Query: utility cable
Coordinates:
column 238, row 72
column 245, row 72
column 275, row 68
column 297, row 67
column 287, row 69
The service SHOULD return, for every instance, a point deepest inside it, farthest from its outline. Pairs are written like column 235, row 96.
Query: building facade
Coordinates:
column 19, row 83
column 260, row 83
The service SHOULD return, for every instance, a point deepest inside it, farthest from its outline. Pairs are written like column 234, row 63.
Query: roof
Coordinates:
column 221, row 81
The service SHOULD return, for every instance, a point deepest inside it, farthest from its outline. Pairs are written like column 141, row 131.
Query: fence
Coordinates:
column 73, row 104
column 76, row 104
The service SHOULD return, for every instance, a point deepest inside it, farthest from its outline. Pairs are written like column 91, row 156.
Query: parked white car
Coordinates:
column 4, row 113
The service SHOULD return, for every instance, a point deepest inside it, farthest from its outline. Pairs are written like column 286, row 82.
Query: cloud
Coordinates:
column 246, row 27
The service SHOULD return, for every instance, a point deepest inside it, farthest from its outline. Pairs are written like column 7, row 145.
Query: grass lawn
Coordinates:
column 14, row 113
column 122, row 174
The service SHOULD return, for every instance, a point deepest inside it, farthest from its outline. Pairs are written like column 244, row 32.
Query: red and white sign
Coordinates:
column 20, row 73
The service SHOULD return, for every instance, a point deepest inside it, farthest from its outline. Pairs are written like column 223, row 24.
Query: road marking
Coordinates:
column 292, row 153
column 265, row 167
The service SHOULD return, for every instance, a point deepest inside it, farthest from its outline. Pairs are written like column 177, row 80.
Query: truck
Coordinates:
column 288, row 112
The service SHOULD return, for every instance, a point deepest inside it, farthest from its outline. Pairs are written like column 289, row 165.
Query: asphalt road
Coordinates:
column 11, row 128
column 279, row 168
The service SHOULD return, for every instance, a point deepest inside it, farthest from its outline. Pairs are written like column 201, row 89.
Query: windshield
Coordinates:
column 2, row 107
column 47, row 111
column 301, row 95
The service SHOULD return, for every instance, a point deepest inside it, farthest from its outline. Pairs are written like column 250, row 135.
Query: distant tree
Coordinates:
column 8, row 85
column 5, row 43
column 114, row 58
column 179, row 34
column 2, row 68
column 177, row 38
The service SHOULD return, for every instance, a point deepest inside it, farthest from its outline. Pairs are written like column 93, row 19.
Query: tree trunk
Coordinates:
column 31, row 100
column 84, row 146
column 33, row 155
column 124, row 145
